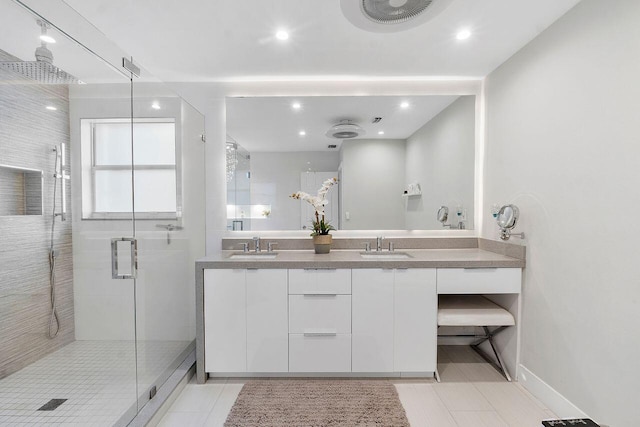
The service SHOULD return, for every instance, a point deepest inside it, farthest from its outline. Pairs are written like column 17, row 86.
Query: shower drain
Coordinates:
column 52, row 404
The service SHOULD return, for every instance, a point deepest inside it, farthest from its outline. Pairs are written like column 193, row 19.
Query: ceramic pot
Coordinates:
column 322, row 243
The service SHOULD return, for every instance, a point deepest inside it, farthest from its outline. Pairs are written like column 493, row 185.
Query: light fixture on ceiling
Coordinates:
column 47, row 39
column 43, row 32
column 404, row 105
column 296, row 106
column 345, row 129
column 282, row 35
column 50, row 108
column 388, row 16
column 463, row 34
column 302, row 133
column 380, row 132
column 155, row 105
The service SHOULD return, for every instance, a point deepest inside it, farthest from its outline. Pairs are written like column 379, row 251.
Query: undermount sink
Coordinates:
column 385, row 255
column 254, row 256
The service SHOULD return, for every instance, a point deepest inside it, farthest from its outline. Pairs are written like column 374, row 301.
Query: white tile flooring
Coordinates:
column 471, row 394
column 97, row 377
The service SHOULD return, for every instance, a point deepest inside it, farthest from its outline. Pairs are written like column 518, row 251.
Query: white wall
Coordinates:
column 563, row 143
column 441, row 157
column 276, row 175
column 372, row 184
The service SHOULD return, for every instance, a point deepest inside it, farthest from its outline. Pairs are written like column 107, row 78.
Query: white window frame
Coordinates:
column 93, row 215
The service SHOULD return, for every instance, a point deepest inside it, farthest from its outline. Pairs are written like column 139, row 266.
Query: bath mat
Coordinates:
column 317, row 403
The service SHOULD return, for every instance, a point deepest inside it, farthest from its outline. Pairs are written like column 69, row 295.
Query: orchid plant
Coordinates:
column 320, row 225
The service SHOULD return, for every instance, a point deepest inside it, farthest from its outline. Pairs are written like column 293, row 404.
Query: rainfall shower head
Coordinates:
column 42, row 69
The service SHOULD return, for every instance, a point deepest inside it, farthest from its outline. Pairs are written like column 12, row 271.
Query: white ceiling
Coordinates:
column 271, row 124
column 227, row 40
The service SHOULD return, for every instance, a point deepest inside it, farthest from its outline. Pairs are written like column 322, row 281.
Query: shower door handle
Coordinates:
column 114, row 258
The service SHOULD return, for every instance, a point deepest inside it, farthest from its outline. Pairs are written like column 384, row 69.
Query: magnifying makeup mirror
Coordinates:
column 507, row 218
column 443, row 216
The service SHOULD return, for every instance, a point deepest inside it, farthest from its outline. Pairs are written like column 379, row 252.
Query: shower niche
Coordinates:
column 20, row 191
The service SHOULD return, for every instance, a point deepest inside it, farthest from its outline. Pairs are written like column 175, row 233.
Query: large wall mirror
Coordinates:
column 398, row 160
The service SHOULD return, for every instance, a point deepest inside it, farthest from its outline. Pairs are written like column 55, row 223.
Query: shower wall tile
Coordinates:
column 28, row 133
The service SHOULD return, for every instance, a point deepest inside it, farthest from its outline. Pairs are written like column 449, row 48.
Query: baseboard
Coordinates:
column 551, row 398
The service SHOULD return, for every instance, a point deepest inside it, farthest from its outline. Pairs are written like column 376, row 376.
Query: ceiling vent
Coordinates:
column 388, row 16
column 345, row 130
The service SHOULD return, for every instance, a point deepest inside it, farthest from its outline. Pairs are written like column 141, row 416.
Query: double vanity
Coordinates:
column 346, row 313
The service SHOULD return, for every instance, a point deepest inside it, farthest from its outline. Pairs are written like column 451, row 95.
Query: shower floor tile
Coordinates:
column 98, row 379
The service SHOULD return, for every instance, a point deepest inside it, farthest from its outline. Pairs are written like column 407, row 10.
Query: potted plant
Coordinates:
column 321, row 227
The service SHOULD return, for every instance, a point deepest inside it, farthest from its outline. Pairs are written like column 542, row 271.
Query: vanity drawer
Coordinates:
column 320, row 313
column 479, row 280
column 319, row 353
column 320, row 281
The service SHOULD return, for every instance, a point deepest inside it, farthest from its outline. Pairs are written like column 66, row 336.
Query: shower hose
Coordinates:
column 53, row 319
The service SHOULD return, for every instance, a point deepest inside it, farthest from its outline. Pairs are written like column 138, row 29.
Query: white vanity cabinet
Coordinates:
column 394, row 320
column 344, row 321
column 245, row 320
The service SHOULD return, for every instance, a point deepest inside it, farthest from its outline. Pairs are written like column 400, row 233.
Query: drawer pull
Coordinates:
column 320, row 268
column 487, row 269
column 320, row 334
column 319, row 294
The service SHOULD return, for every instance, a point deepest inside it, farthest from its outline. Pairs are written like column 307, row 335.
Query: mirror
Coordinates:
column 443, row 216
column 398, row 159
column 507, row 218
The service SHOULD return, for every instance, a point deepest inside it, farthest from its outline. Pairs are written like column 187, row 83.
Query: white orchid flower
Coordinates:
column 318, row 202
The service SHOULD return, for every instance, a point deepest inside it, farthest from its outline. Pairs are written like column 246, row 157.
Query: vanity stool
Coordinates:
column 478, row 311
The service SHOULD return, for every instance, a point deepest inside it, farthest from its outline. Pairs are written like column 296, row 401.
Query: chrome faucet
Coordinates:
column 379, row 240
column 256, row 241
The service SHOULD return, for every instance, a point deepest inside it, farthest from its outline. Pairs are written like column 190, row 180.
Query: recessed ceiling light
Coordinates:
column 282, row 35
column 380, row 132
column 51, row 108
column 302, row 133
column 47, row 39
column 404, row 105
column 155, row 106
column 463, row 34
column 296, row 106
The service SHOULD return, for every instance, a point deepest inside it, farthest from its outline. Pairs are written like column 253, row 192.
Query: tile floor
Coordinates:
column 97, row 377
column 471, row 394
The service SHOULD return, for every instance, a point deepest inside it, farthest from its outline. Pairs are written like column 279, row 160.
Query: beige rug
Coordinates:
column 317, row 403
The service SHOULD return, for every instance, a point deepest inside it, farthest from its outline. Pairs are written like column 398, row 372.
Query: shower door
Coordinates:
column 168, row 163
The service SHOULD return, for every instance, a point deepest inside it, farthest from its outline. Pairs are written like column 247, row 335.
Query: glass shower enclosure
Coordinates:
column 101, row 219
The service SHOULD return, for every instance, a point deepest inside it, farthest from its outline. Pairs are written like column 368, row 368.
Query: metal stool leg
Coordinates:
column 500, row 367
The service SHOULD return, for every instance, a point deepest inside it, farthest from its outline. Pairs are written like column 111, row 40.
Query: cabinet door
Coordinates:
column 225, row 321
column 372, row 328
column 267, row 329
column 415, row 320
